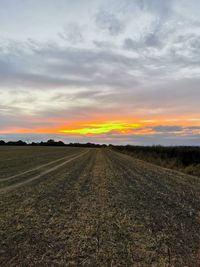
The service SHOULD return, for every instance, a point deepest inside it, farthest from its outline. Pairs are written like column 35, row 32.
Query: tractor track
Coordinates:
column 33, row 178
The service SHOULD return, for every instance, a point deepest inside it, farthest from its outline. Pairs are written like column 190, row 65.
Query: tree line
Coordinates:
column 50, row 142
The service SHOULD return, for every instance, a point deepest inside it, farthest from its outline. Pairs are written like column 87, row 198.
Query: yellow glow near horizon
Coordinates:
column 121, row 126
column 100, row 128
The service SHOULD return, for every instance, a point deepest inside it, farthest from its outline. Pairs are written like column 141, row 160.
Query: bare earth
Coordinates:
column 95, row 207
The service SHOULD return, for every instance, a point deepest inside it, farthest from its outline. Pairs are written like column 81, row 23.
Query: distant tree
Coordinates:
column 21, row 143
column 50, row 142
column 34, row 144
column 16, row 143
column 60, row 143
column 2, row 143
column 104, row 145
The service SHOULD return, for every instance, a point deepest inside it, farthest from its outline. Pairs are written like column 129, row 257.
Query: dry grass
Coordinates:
column 173, row 163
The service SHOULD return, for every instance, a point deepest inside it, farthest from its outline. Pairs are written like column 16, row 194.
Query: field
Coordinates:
column 95, row 207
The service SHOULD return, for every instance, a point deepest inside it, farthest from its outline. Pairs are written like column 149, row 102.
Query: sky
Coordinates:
column 103, row 71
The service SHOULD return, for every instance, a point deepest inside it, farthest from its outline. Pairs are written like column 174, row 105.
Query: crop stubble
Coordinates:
column 102, row 209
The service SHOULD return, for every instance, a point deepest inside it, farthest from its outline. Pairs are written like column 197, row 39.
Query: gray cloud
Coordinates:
column 162, row 8
column 104, row 78
column 61, row 67
column 73, row 33
column 109, row 22
column 168, row 129
column 130, row 44
column 152, row 40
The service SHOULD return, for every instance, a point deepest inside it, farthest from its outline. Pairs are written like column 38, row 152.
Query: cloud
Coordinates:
column 75, row 79
column 130, row 44
column 127, row 59
column 109, row 22
column 161, row 8
column 152, row 40
column 168, row 129
column 73, row 33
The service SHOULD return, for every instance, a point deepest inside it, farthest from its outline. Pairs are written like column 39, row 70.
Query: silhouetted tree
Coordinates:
column 2, row 143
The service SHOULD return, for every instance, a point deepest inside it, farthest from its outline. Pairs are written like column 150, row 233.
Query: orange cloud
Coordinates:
column 99, row 126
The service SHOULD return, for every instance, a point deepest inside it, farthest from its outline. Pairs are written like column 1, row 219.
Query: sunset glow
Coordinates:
column 102, row 128
column 176, row 127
